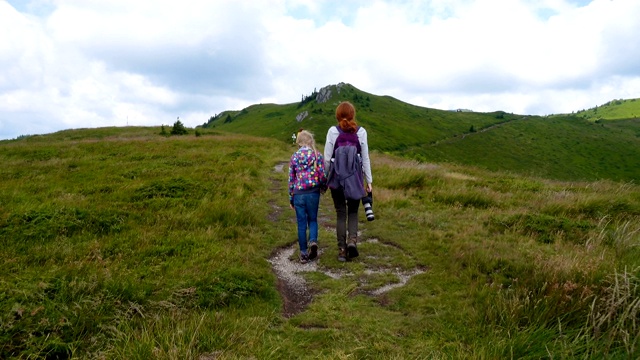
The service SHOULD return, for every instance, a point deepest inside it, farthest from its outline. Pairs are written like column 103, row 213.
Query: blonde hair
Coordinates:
column 305, row 138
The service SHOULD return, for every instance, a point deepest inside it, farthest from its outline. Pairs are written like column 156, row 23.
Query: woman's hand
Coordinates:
column 369, row 188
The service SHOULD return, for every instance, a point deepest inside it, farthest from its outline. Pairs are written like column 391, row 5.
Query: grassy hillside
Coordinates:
column 392, row 124
column 118, row 243
column 613, row 110
column 560, row 147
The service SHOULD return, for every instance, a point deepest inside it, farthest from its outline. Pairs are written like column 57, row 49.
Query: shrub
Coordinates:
column 178, row 129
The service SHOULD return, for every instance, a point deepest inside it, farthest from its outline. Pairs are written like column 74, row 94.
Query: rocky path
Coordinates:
column 295, row 292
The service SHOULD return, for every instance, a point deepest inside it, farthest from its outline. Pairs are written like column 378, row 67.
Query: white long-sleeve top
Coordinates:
column 332, row 135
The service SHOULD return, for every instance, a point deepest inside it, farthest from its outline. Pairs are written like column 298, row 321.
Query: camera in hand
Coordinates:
column 367, row 202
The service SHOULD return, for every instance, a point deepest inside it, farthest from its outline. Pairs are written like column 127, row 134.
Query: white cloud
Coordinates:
column 79, row 63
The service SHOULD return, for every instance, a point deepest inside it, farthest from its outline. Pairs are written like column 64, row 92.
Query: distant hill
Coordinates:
column 567, row 147
column 613, row 110
column 393, row 125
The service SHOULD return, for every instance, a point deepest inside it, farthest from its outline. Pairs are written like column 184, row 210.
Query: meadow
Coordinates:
column 119, row 243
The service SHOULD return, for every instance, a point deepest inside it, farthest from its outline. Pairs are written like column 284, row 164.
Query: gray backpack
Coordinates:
column 345, row 170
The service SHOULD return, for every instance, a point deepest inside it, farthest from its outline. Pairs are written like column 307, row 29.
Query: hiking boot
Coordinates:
column 304, row 258
column 342, row 255
column 313, row 253
column 352, row 249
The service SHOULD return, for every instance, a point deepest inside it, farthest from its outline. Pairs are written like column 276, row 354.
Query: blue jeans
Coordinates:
column 306, row 206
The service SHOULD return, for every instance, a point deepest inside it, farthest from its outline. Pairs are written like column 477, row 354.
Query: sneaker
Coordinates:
column 352, row 249
column 313, row 250
column 304, row 258
column 342, row 255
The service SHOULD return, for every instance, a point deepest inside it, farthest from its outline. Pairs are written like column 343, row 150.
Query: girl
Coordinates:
column 306, row 180
column 347, row 210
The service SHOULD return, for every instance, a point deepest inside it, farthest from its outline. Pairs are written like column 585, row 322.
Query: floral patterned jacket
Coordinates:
column 306, row 172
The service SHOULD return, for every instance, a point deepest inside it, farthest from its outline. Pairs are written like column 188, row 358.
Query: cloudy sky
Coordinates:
column 91, row 63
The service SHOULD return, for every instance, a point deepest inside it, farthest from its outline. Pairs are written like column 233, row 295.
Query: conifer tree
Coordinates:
column 178, row 128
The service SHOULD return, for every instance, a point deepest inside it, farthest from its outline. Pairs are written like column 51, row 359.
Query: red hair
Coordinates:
column 346, row 116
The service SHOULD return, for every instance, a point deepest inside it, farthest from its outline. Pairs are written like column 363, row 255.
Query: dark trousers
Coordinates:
column 347, row 216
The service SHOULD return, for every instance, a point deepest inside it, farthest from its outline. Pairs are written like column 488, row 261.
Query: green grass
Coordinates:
column 562, row 147
column 559, row 148
column 119, row 243
column 613, row 110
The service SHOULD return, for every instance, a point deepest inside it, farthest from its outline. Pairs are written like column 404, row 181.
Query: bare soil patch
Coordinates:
column 293, row 288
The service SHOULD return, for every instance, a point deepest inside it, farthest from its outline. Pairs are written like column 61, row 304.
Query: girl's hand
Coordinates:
column 369, row 188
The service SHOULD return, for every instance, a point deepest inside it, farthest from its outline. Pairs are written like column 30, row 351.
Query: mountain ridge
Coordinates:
column 561, row 146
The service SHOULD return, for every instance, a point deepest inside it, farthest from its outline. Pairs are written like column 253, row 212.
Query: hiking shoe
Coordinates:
column 304, row 258
column 352, row 249
column 313, row 253
column 342, row 255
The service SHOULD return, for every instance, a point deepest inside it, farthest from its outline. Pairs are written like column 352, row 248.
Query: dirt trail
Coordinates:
column 296, row 294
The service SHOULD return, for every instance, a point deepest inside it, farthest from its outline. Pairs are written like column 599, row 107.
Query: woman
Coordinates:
column 347, row 210
column 306, row 179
